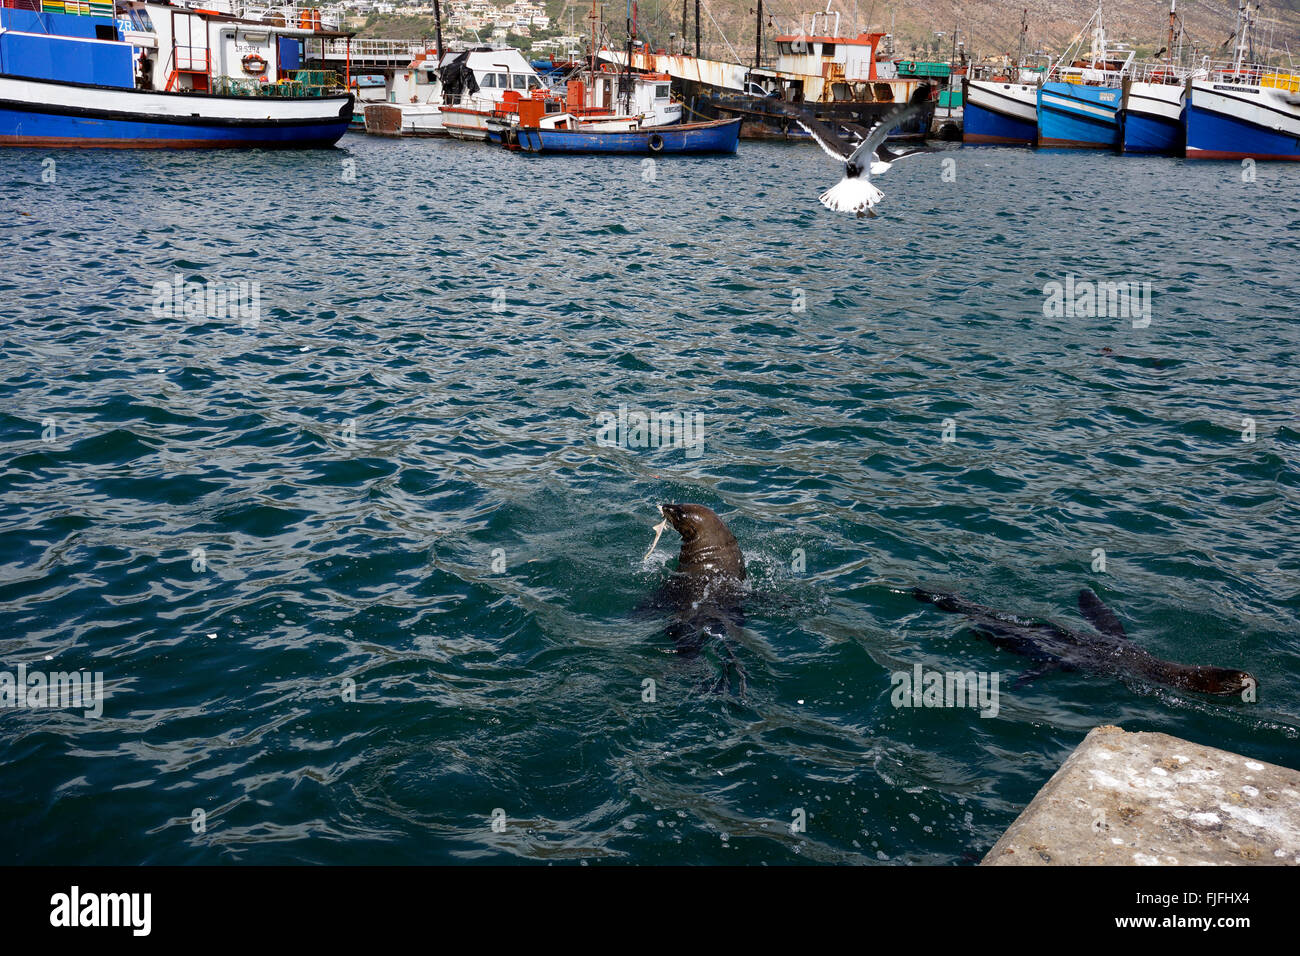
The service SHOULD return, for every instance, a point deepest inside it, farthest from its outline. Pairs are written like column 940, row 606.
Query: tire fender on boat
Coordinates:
column 656, row 143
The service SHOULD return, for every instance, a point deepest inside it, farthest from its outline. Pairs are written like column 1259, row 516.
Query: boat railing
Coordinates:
column 1158, row 72
column 1253, row 74
column 375, row 49
column 471, row 101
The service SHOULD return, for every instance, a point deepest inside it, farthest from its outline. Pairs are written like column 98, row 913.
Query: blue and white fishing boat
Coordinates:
column 1154, row 102
column 1243, row 110
column 1004, row 109
column 1152, row 108
column 1000, row 111
column 76, row 73
column 1078, row 107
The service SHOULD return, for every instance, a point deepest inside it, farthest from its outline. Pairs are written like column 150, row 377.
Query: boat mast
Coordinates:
column 626, row 93
column 592, row 18
column 1250, row 32
column 758, row 38
column 697, row 29
column 1020, row 50
column 437, row 26
column 1169, row 44
column 1238, row 31
column 1099, row 39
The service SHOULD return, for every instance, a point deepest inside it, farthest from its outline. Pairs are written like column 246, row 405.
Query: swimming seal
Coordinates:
column 1107, row 652
column 704, row 593
column 710, row 552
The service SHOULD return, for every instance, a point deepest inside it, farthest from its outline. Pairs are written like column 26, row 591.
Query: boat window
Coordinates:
column 521, row 82
column 783, row 48
column 503, row 81
column 534, row 83
column 104, row 32
column 661, row 91
column 433, row 76
column 828, row 49
column 489, row 81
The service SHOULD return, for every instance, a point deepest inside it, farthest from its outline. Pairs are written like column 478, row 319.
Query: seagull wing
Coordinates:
column 881, row 130
column 834, row 147
column 887, row 155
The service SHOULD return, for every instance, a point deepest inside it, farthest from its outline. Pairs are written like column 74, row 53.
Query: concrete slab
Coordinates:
column 1151, row 799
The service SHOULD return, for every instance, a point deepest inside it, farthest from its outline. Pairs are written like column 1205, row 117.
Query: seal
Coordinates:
column 1108, row 651
column 710, row 552
column 704, row 594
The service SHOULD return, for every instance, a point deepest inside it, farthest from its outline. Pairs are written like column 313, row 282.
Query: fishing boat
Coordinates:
column 367, row 89
column 1078, row 106
column 608, row 109
column 1000, row 111
column 562, row 134
column 1154, row 97
column 1243, row 110
column 848, row 82
column 475, row 83
column 947, row 78
column 1152, row 108
column 1001, row 106
column 71, row 76
column 411, row 102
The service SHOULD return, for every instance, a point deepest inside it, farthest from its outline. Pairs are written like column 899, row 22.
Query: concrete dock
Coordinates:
column 1149, row 799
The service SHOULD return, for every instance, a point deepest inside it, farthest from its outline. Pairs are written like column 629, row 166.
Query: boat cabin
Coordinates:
column 207, row 50
column 651, row 95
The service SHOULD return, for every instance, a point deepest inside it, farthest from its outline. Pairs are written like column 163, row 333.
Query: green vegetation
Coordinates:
column 398, row 27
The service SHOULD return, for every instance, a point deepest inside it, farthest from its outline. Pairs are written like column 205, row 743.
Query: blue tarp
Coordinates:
column 290, row 54
column 59, row 24
column 58, row 50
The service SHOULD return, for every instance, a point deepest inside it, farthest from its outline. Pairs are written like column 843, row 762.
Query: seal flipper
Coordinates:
column 1099, row 615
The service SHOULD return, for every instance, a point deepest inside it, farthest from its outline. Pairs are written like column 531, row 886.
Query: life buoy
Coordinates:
column 656, row 143
column 254, row 65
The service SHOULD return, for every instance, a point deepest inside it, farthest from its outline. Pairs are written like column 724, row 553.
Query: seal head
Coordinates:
column 708, row 546
column 1210, row 680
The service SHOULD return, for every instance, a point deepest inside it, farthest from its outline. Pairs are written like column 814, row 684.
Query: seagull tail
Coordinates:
column 851, row 194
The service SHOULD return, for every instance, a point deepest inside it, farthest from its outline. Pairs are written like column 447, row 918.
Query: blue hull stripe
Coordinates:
column 42, row 129
column 1152, row 134
column 1228, row 137
column 980, row 124
column 721, row 138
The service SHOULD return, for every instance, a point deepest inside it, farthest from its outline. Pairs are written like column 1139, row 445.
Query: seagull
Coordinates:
column 855, row 192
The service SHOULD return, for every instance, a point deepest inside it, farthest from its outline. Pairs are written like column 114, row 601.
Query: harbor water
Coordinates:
column 364, row 578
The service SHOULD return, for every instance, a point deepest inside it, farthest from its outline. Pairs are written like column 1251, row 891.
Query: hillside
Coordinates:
column 988, row 27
